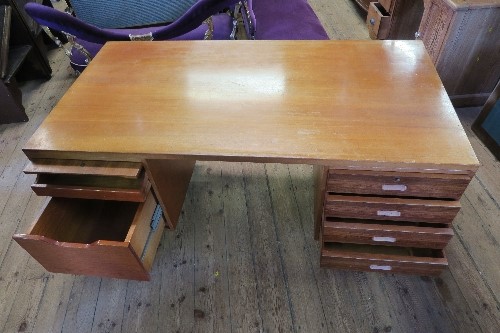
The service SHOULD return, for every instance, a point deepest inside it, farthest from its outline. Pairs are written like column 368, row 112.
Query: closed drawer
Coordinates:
column 397, row 184
column 378, row 21
column 391, row 233
column 397, row 209
column 92, row 237
column 388, row 259
column 122, row 181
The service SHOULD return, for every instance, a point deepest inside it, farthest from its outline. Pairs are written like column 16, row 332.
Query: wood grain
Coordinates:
column 379, row 208
column 318, row 113
column 422, row 185
column 460, row 36
column 461, row 299
column 70, row 237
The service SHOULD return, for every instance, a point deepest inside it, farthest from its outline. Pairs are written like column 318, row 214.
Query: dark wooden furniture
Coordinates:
column 392, row 180
column 394, row 19
column 462, row 37
column 487, row 124
column 27, row 58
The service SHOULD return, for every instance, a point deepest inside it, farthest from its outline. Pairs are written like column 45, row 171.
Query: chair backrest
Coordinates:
column 61, row 21
column 129, row 13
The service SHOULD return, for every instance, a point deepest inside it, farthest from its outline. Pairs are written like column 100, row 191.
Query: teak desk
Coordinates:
column 391, row 158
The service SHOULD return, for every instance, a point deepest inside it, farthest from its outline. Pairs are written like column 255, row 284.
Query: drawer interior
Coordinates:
column 85, row 221
column 386, row 222
column 91, row 181
column 384, row 250
column 80, row 167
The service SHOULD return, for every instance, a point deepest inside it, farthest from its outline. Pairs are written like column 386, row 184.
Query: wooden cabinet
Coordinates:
column 388, row 221
column 103, row 219
column 26, row 58
column 462, row 38
column 394, row 19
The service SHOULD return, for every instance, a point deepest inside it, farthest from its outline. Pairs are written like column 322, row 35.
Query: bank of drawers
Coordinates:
column 103, row 219
column 388, row 221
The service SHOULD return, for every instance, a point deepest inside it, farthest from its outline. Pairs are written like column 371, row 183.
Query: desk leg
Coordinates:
column 170, row 180
column 320, row 175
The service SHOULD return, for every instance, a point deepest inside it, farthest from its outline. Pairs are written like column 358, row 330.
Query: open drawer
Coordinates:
column 388, row 208
column 101, row 180
column 92, row 237
column 391, row 233
column 383, row 259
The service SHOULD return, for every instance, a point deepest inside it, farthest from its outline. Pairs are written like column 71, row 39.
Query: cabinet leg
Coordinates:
column 170, row 181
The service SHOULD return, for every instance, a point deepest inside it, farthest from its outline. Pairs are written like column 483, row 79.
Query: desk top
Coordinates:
column 355, row 104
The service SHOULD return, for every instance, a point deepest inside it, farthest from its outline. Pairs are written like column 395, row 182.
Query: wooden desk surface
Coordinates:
column 359, row 104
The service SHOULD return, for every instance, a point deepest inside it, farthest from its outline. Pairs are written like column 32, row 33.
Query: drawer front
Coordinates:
column 92, row 187
column 92, row 237
column 386, row 233
column 378, row 21
column 371, row 259
column 397, row 209
column 397, row 184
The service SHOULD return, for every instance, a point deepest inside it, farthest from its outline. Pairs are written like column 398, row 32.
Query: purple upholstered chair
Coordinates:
column 286, row 19
column 203, row 20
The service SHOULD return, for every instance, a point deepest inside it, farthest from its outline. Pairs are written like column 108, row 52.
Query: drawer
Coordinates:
column 378, row 21
column 397, row 184
column 397, row 209
column 93, row 237
column 122, row 181
column 388, row 259
column 386, row 4
column 81, row 167
column 92, row 187
column 391, row 233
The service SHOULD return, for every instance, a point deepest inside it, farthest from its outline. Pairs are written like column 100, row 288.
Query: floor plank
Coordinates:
column 242, row 279
column 272, row 293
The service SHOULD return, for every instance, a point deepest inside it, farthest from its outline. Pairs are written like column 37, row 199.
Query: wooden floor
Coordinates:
column 243, row 258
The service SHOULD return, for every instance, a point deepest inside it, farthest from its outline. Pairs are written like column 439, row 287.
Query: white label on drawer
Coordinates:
column 388, row 213
column 384, row 239
column 400, row 188
column 380, row 268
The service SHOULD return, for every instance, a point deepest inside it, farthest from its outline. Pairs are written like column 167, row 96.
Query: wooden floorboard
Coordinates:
column 243, row 257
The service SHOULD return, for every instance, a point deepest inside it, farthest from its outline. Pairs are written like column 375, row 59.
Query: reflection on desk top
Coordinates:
column 356, row 104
